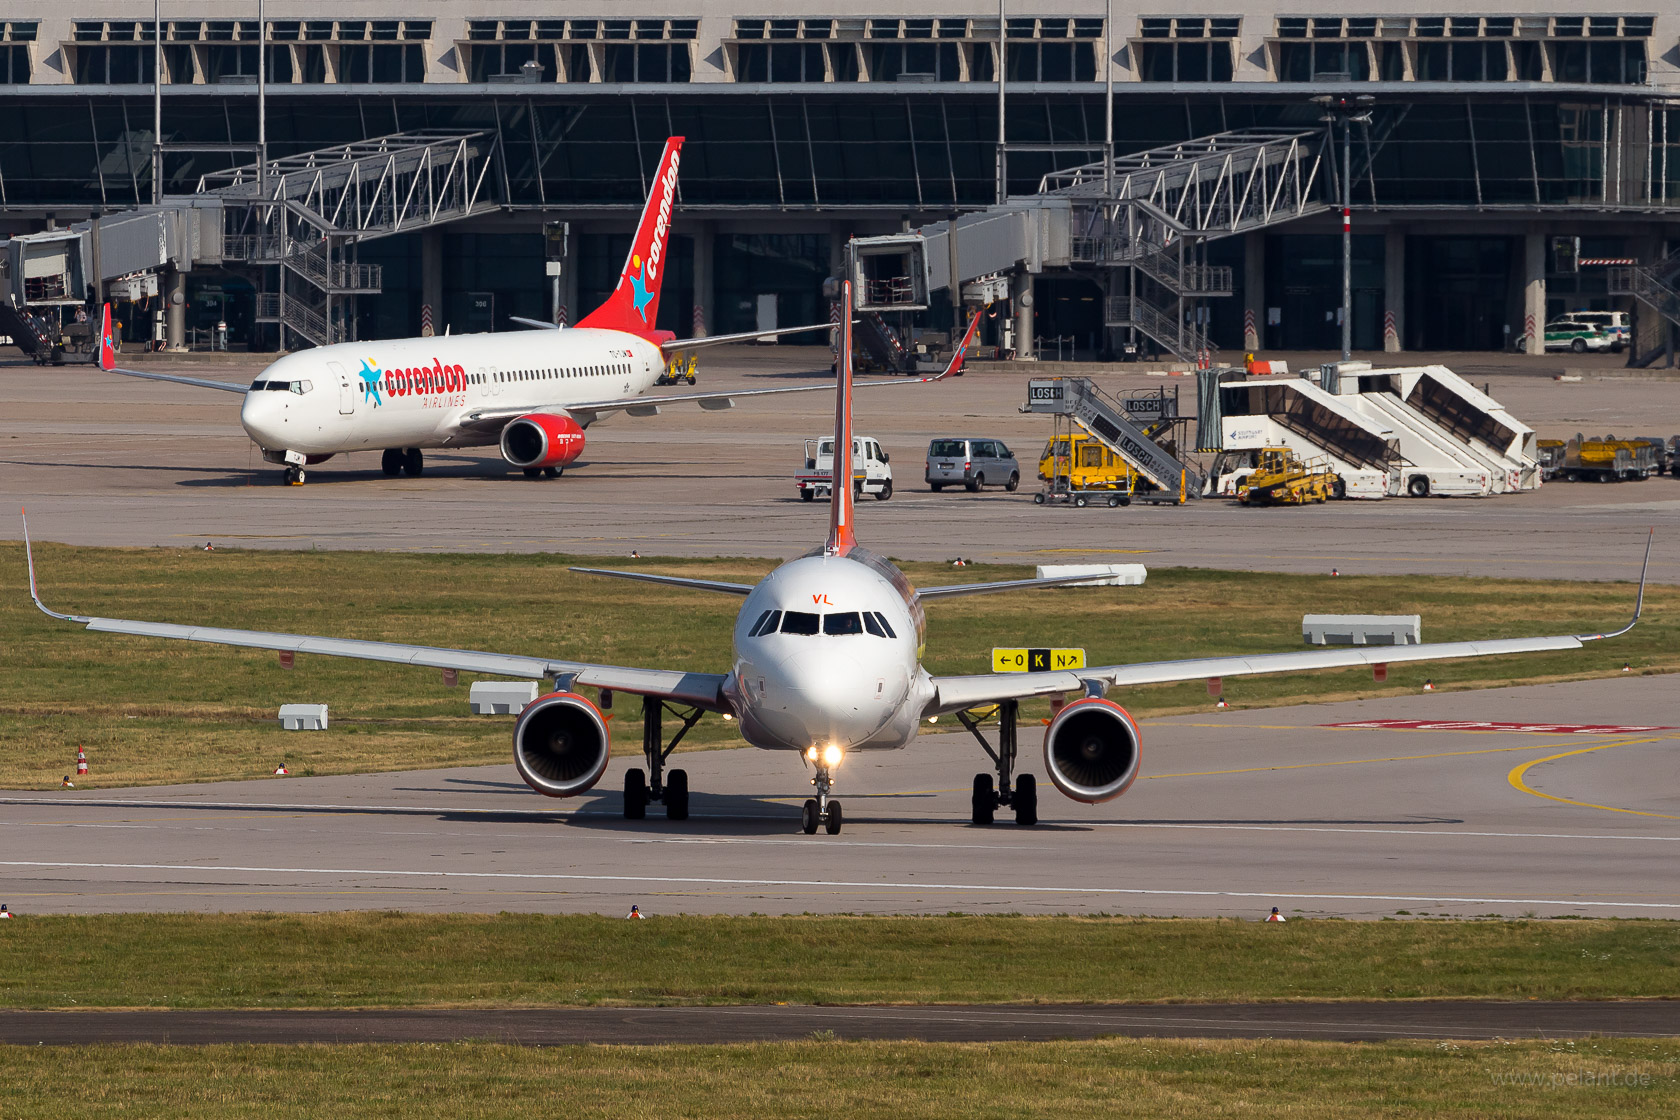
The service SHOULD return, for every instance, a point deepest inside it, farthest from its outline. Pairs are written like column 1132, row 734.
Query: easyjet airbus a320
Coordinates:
column 827, row 661
column 532, row 393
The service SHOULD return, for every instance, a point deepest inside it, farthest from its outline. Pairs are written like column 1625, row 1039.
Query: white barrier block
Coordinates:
column 303, row 717
column 500, row 698
column 1362, row 629
column 1102, row 575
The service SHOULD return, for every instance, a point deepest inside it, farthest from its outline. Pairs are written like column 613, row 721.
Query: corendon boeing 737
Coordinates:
column 530, row 392
column 827, row 660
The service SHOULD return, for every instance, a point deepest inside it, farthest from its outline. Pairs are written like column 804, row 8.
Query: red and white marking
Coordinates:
column 1484, row 725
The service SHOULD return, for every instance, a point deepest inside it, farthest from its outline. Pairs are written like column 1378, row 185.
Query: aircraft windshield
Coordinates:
column 298, row 387
column 800, row 622
column 845, row 622
column 836, row 625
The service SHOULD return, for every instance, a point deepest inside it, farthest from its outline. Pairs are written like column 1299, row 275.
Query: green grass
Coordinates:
column 151, row 711
column 1155, row 1078
column 410, row 960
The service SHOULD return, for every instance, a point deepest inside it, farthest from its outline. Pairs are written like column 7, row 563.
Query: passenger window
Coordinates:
column 885, row 625
column 766, row 623
column 871, row 625
column 799, row 622
column 843, row 622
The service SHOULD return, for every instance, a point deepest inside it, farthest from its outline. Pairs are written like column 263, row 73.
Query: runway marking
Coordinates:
column 1362, row 761
column 1515, row 777
column 832, row 885
column 1484, row 726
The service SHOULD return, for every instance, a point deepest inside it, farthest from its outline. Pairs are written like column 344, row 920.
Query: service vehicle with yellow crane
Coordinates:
column 1280, row 478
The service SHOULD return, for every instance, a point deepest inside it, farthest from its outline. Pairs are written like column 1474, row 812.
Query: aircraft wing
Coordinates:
column 197, row 382
column 702, row 690
column 954, row 589
column 677, row 344
column 957, row 693
column 673, row 581
column 587, row 412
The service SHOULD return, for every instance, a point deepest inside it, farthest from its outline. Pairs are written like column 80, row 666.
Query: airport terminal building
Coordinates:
column 451, row 164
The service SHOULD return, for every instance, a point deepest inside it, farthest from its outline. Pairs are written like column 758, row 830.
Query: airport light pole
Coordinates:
column 1348, row 109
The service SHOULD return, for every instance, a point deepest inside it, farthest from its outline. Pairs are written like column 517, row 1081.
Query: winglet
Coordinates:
column 1639, row 599
column 29, row 557
column 633, row 305
column 107, row 342
column 840, row 539
column 956, row 364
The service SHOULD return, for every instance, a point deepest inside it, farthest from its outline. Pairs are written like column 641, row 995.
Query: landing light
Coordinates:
column 933, row 719
column 811, row 753
column 833, row 754
column 727, row 716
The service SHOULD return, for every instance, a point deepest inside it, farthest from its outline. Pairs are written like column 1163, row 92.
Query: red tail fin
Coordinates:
column 634, row 304
column 840, row 539
column 107, row 342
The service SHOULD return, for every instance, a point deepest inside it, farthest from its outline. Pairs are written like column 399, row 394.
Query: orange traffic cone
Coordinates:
column 280, row 771
column 81, row 762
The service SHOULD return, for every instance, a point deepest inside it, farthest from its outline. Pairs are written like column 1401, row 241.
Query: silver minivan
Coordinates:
column 972, row 463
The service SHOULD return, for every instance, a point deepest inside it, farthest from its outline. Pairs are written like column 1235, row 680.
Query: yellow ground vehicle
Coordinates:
column 1080, row 462
column 1281, row 479
column 1608, row 459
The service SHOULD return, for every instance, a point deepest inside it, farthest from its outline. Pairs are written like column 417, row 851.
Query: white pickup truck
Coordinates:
column 871, row 469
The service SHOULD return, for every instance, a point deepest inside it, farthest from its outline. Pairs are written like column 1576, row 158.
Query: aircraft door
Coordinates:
column 346, row 392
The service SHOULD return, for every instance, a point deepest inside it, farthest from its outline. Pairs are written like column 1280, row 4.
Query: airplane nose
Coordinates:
column 261, row 418
column 827, row 698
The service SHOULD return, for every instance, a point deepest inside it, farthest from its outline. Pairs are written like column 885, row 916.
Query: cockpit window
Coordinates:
column 885, row 625
column 766, row 623
column 842, row 622
column 799, row 622
column 872, row 625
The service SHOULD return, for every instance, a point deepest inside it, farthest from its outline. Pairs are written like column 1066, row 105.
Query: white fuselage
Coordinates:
column 856, row 683
column 422, row 392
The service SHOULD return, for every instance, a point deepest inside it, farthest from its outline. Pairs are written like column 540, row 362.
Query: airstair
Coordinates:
column 885, row 349
column 29, row 332
column 1264, row 412
column 307, row 213
column 1109, row 422
column 1657, row 287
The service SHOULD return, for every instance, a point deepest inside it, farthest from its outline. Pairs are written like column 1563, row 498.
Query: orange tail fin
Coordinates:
column 634, row 303
column 107, row 342
column 840, row 539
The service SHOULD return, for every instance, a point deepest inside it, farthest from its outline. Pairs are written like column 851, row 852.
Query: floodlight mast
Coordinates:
column 1348, row 109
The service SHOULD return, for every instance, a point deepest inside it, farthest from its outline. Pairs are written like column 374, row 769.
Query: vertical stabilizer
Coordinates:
column 634, row 303
column 840, row 539
column 107, row 342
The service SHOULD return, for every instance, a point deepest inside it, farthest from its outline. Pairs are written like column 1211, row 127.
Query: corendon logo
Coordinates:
column 424, row 380
column 646, row 280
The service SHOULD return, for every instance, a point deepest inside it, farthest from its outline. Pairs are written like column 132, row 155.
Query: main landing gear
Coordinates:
column 670, row 788
column 1023, row 797
column 819, row 809
column 544, row 472
column 396, row 461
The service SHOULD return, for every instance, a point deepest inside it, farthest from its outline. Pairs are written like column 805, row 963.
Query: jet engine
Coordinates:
column 540, row 440
column 560, row 744
column 1091, row 750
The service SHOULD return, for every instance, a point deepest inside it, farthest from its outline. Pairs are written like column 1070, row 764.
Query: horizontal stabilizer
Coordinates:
column 673, row 581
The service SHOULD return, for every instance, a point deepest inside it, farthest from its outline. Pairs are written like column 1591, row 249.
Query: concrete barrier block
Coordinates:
column 500, row 698
column 1102, row 575
column 303, row 717
column 1362, row 629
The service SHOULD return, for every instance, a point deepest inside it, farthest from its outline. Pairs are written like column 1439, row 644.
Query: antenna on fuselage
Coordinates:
column 840, row 539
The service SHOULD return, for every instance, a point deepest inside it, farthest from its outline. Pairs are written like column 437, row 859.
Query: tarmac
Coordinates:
column 105, row 460
column 1550, row 800
column 572, row 1026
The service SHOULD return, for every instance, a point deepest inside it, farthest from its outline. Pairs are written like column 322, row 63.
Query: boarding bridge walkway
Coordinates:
column 1142, row 223
column 1107, row 421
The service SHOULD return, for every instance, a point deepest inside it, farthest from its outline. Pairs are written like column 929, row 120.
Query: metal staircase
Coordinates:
column 28, row 331
column 1107, row 421
column 296, row 221
column 1656, row 286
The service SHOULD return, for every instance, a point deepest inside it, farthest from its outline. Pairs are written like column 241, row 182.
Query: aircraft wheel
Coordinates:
column 985, row 799
column 413, row 462
column 635, row 794
column 1026, row 800
column 676, row 795
column 835, row 818
column 808, row 817
column 391, row 463
column 533, row 472
column 292, row 476
column 553, row 472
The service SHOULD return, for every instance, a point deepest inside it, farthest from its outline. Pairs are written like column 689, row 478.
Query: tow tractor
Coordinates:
column 871, row 469
column 1281, row 479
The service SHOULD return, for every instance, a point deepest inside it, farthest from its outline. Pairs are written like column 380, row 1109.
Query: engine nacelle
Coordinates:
column 541, row 439
column 560, row 744
column 1091, row 750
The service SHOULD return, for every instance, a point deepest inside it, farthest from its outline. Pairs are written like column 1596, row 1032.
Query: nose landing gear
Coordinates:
column 293, row 476
column 819, row 809
column 1023, row 797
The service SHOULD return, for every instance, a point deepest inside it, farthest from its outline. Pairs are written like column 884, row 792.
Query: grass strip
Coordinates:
column 1155, row 1078
column 150, row 711
column 390, row 959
